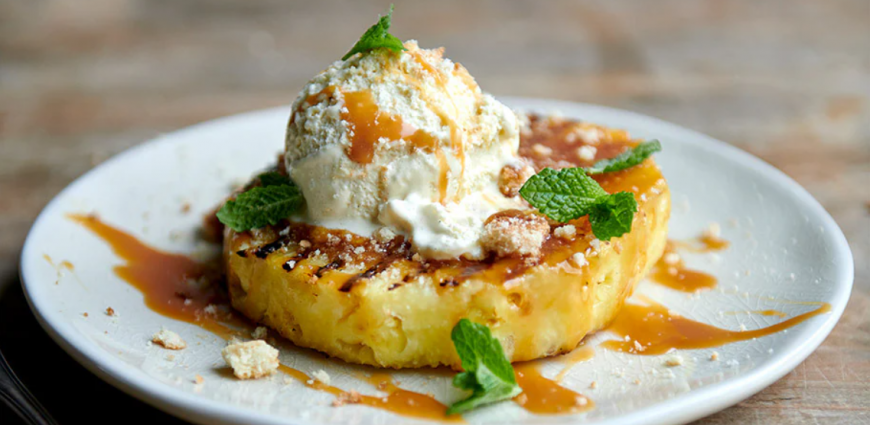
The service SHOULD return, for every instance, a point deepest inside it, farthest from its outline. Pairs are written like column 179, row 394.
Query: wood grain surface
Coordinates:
column 789, row 81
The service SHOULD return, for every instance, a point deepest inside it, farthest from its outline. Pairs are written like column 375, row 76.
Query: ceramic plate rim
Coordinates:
column 701, row 401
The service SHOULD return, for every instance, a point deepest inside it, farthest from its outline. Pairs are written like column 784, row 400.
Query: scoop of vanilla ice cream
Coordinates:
column 404, row 140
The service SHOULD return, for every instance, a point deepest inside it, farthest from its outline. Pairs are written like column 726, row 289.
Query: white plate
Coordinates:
column 784, row 247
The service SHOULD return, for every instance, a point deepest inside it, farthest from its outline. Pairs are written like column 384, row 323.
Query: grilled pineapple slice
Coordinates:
column 374, row 302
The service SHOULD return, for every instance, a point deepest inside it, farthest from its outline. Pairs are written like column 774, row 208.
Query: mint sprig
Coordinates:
column 611, row 216
column 377, row 36
column 626, row 159
column 488, row 373
column 569, row 193
column 262, row 205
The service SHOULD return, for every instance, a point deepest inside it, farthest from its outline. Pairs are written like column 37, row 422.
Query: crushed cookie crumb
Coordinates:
column 512, row 177
column 713, row 231
column 515, row 234
column 261, row 332
column 586, row 152
column 384, row 235
column 169, row 339
column 593, row 385
column 305, row 244
column 674, row 361
column 541, row 150
column 110, row 311
column 252, row 359
column 714, row 356
column 417, row 258
column 638, row 347
column 566, row 232
column 578, row 260
column 198, row 379
column 85, row 314
column 522, row 399
column 347, row 397
column 321, row 376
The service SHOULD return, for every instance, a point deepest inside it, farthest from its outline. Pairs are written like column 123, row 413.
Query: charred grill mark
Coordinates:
column 394, row 286
column 451, row 282
column 301, row 255
column 331, row 266
column 370, row 273
column 265, row 250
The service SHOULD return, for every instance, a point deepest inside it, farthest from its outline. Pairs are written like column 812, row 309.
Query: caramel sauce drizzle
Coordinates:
column 368, row 125
column 776, row 313
column 579, row 355
column 678, row 276
column 657, row 330
column 178, row 287
column 545, row 396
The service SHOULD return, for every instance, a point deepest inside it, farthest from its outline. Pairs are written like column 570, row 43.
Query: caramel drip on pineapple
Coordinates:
column 544, row 396
column 653, row 329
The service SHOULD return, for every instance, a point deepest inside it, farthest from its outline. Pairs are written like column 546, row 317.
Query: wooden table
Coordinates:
column 786, row 80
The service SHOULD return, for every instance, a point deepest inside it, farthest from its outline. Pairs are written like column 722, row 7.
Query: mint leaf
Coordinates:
column 274, row 178
column 261, row 206
column 488, row 373
column 611, row 217
column 569, row 193
column 377, row 36
column 626, row 159
column 562, row 195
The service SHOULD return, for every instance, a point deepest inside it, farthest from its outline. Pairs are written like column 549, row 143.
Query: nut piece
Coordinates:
column 169, row 339
column 252, row 359
column 515, row 234
column 512, row 177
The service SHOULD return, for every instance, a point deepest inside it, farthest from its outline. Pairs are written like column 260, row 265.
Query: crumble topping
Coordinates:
column 578, row 260
column 566, row 232
column 512, row 177
column 713, row 231
column 515, row 234
column 384, row 235
column 586, row 152
column 674, row 361
column 321, row 376
column 252, row 359
column 169, row 339
column 260, row 332
column 348, row 397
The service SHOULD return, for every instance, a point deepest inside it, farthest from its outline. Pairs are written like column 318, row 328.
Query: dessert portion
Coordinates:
column 542, row 286
column 411, row 210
